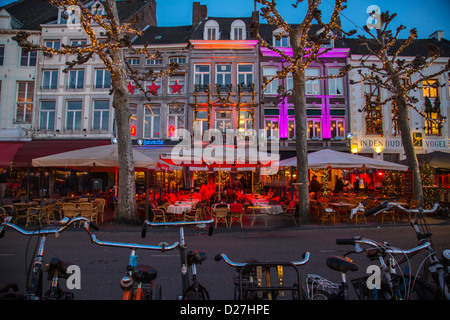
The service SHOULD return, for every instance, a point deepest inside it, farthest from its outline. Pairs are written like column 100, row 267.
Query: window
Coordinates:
column 289, row 82
column 101, row 115
column 152, row 62
column 74, row 110
column 337, row 128
column 223, row 121
column 238, row 30
column 270, row 72
column 281, row 39
column 102, row 79
column 2, row 54
column 28, row 58
column 430, row 88
column 178, row 60
column 152, row 121
column 201, row 123
column 245, row 122
column 272, row 127
column 374, row 119
column 211, row 31
column 47, row 116
column 245, row 74
column 175, row 120
column 25, row 102
column 336, row 85
column 371, row 90
column 314, row 129
column 176, row 84
column 49, row 79
column 53, row 44
column 312, row 86
column 76, row 79
column 223, row 74
column 154, row 87
column 78, row 42
column 201, row 76
column 133, row 61
column 291, row 129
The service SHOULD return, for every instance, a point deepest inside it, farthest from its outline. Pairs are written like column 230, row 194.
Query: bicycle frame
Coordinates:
column 127, row 282
column 186, row 258
column 34, row 280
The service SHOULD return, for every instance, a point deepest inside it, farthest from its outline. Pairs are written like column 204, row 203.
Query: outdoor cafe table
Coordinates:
column 178, row 210
column 341, row 209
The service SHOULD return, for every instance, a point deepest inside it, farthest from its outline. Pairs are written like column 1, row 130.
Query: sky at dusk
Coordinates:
column 425, row 16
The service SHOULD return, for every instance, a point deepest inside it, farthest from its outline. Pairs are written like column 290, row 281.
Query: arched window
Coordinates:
column 238, row 31
column 211, row 31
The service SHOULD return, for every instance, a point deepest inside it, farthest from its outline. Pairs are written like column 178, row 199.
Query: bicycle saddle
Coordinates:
column 196, row 257
column 57, row 266
column 341, row 264
column 144, row 273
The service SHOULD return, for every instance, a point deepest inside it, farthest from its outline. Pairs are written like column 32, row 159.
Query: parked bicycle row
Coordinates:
column 393, row 277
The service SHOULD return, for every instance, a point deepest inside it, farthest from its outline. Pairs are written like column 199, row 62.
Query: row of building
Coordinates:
column 217, row 86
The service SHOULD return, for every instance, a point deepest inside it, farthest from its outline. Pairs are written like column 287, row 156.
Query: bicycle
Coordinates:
column 250, row 284
column 137, row 284
column 56, row 269
column 188, row 259
column 434, row 281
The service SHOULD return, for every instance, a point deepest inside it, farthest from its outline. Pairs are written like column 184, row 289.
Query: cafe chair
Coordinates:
column 158, row 214
column 33, row 216
column 290, row 211
column 221, row 214
column 2, row 214
column 236, row 212
column 258, row 214
column 100, row 204
column 47, row 213
column 358, row 213
column 87, row 210
column 193, row 214
column 326, row 214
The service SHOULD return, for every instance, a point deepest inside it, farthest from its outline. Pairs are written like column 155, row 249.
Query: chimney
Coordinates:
column 199, row 12
column 438, row 35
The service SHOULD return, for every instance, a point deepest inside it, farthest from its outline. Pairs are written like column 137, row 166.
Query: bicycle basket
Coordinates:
column 315, row 283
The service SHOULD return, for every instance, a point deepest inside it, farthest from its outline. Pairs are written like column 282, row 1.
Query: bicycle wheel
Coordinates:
column 192, row 294
column 321, row 295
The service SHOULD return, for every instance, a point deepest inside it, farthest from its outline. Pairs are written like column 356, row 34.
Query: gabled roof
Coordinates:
column 164, row 35
column 30, row 14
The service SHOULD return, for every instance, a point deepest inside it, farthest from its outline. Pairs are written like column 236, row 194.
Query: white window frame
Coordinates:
column 339, row 135
column 177, row 119
column 47, row 115
column 30, row 56
column 245, row 74
column 104, row 76
column 100, row 115
column 24, row 104
column 314, row 123
column 238, row 30
column 312, row 87
column 199, row 76
column 49, row 78
column 272, row 88
column 76, row 116
column 224, row 74
column 150, row 119
column 219, row 121
column 211, row 31
column 270, row 131
column 76, row 75
column 181, row 81
column 338, row 83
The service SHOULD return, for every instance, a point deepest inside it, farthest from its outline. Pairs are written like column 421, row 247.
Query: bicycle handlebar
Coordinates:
column 358, row 240
column 64, row 222
column 386, row 205
column 223, row 256
column 177, row 223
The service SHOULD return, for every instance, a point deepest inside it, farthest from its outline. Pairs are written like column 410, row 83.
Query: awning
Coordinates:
column 42, row 148
column 7, row 152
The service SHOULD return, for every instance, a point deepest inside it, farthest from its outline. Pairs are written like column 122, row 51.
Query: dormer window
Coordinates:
column 211, row 31
column 238, row 31
column 281, row 39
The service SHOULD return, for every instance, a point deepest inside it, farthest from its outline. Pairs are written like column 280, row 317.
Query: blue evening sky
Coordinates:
column 425, row 16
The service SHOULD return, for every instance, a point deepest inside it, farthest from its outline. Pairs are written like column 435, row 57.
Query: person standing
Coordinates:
column 314, row 186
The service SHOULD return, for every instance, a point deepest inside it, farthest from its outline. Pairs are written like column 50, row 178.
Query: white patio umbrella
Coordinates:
column 341, row 160
column 101, row 157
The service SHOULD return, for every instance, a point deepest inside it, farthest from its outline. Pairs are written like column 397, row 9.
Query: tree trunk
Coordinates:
column 408, row 146
column 126, row 206
column 303, row 214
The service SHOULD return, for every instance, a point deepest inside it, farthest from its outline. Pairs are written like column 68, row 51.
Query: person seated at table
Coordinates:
column 340, row 184
column 203, row 192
